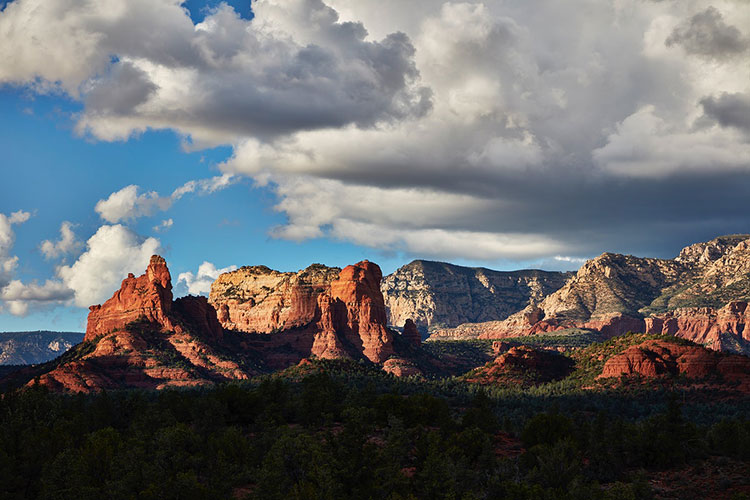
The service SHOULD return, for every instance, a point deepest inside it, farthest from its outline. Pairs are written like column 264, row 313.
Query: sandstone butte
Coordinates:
column 701, row 295
column 656, row 358
column 342, row 311
column 144, row 338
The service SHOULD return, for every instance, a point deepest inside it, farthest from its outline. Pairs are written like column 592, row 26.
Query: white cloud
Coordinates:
column 9, row 262
column 163, row 225
column 646, row 145
column 205, row 186
column 199, row 283
column 65, row 245
column 111, row 253
column 19, row 297
column 127, row 204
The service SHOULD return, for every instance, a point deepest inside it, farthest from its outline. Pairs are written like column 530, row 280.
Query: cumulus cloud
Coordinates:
column 706, row 34
column 111, row 253
column 646, row 145
column 294, row 66
column 20, row 297
column 127, row 204
column 424, row 128
column 65, row 245
column 199, row 283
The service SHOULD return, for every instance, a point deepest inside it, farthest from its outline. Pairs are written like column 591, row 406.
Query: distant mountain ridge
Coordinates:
column 438, row 294
column 25, row 348
column 700, row 295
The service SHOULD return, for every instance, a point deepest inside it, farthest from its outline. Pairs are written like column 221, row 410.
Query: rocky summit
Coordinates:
column 437, row 295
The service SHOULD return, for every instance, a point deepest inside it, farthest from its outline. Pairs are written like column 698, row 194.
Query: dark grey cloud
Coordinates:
column 121, row 91
column 706, row 34
column 729, row 110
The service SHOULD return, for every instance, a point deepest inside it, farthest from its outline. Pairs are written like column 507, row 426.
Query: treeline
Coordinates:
column 327, row 436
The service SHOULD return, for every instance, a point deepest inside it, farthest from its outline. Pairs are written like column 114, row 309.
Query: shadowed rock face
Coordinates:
column 523, row 365
column 655, row 358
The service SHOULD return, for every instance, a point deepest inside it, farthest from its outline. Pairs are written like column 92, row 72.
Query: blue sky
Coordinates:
column 477, row 132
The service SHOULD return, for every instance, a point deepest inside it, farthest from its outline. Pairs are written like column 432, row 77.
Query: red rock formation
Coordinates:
column 322, row 311
column 256, row 299
column 523, row 365
column 703, row 325
column 411, row 333
column 615, row 325
column 655, row 358
column 358, row 288
column 149, row 297
column 175, row 347
column 401, row 367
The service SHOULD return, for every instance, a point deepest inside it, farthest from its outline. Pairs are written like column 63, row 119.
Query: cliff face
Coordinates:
column 689, row 296
column 260, row 300
column 149, row 296
column 437, row 295
column 324, row 311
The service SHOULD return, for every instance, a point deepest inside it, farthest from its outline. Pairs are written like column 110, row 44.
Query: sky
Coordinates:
column 507, row 134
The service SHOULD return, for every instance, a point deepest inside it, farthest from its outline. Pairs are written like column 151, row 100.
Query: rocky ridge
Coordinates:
column 438, row 295
column 141, row 337
column 23, row 348
column 698, row 296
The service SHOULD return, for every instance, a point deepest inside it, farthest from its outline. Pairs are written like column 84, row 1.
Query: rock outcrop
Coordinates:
column 323, row 311
column 705, row 325
column 439, row 295
column 656, row 358
column 522, row 365
column 147, row 297
column 260, row 300
column 411, row 333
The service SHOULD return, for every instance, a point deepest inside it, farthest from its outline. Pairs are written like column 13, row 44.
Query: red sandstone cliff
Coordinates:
column 655, row 358
column 323, row 311
column 141, row 338
column 148, row 296
column 704, row 325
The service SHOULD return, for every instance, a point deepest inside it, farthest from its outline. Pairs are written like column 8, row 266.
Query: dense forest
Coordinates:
column 338, row 429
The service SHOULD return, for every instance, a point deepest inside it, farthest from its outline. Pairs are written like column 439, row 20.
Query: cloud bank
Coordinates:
column 484, row 130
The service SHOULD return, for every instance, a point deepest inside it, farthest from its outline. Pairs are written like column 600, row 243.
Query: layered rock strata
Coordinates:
column 439, row 295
